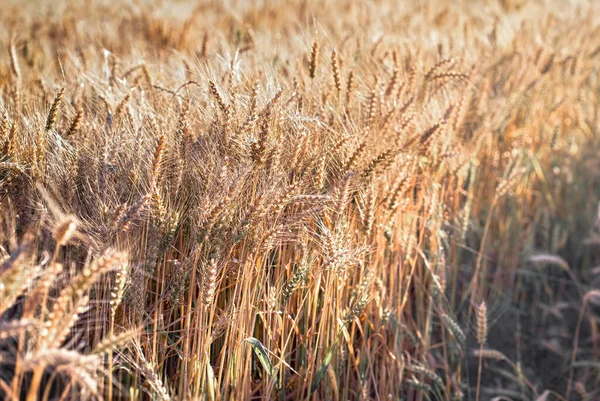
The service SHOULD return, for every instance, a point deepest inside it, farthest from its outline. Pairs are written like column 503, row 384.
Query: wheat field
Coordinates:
column 300, row 200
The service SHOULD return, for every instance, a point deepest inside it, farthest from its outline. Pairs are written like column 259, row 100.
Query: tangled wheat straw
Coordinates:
column 298, row 200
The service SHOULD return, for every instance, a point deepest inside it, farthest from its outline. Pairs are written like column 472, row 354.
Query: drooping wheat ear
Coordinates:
column 254, row 100
column 73, row 299
column 463, row 103
column 268, row 109
column 122, row 105
column 428, row 136
column 392, row 87
column 506, row 185
column 430, row 374
column 218, row 98
column 412, row 81
column 384, row 160
column 359, row 304
column 482, row 324
column 545, row 259
column 158, row 153
column 15, row 93
column 209, row 282
column 216, row 211
column 407, row 122
column 275, row 156
column 330, row 245
column 9, row 144
column 294, row 282
column 224, row 169
column 350, row 86
column 490, row 354
column 146, row 368
column 466, row 213
column 40, row 151
column 221, row 324
column 57, row 357
column 276, row 206
column 136, row 294
column 112, row 342
column 81, row 370
column 178, row 281
column 65, row 230
column 388, row 119
column 321, row 171
column 270, row 236
column 441, row 273
column 40, row 290
column 4, row 125
column 14, row 61
column 335, row 68
column 369, row 214
column 124, row 220
column 260, row 146
column 116, row 295
column 183, row 124
column 147, row 75
column 355, row 156
column 395, row 57
column 548, row 64
column 343, row 193
column 373, row 103
column 313, row 62
column 14, row 279
column 251, row 39
column 447, row 75
column 158, row 206
column 80, row 284
column 59, row 328
column 405, row 331
column 324, row 99
column 54, row 109
column 445, row 63
column 342, row 360
column 455, row 329
column 204, row 46
column 75, row 125
column 106, row 104
column 398, row 189
column 300, row 148
column 338, row 147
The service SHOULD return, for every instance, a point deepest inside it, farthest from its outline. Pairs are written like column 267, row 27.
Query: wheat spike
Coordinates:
column 314, row 60
column 482, row 323
column 54, row 109
column 335, row 68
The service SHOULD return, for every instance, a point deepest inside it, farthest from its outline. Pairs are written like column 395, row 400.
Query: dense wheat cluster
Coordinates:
column 299, row 200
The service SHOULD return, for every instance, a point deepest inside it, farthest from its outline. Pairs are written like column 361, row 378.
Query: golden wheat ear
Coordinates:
column 54, row 109
column 313, row 60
